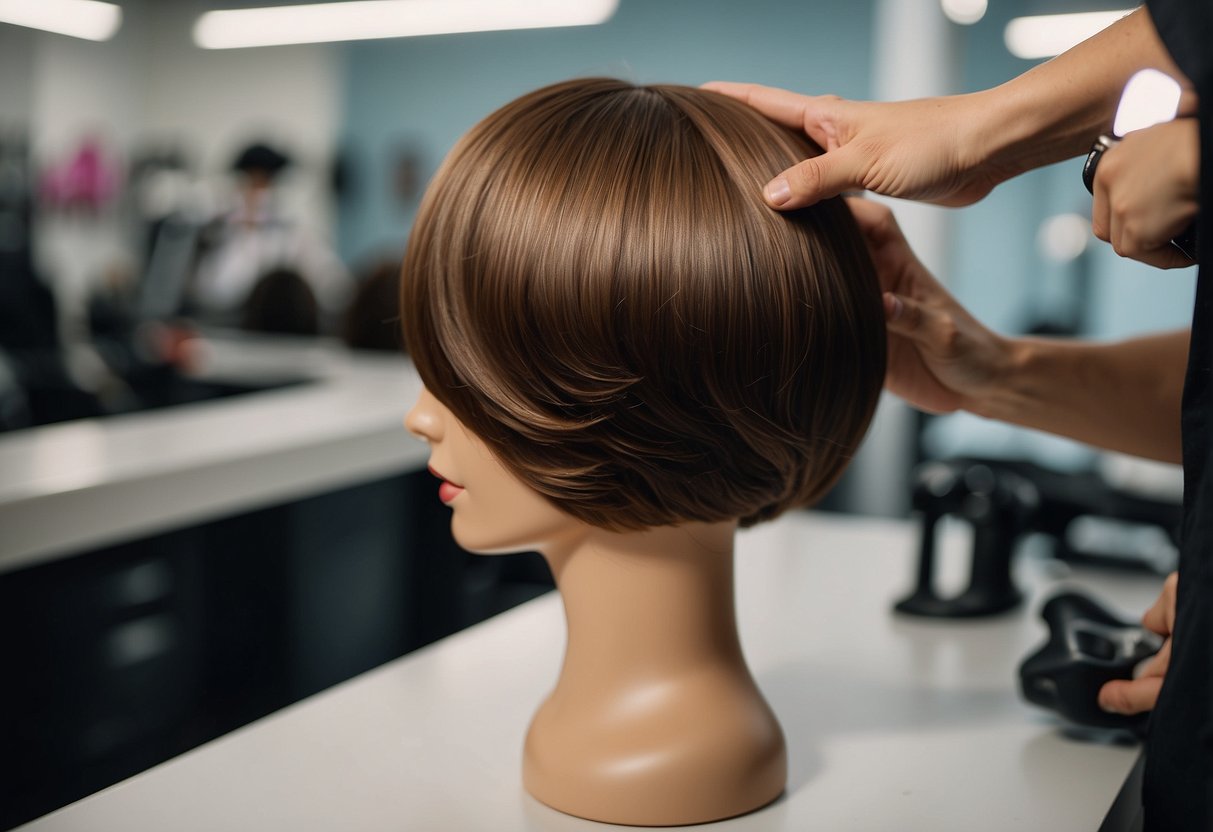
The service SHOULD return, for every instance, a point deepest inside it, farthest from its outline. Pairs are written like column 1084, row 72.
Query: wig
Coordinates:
column 595, row 288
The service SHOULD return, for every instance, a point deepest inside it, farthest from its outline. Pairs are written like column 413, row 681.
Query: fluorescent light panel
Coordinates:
column 366, row 19
column 87, row 19
column 964, row 12
column 1046, row 35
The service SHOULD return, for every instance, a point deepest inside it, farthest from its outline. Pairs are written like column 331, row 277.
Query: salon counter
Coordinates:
column 80, row 485
column 892, row 722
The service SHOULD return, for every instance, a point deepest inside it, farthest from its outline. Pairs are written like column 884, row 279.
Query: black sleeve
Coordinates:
column 1178, row 791
column 1186, row 29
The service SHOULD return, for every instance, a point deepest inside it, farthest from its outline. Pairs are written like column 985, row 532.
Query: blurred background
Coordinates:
column 208, row 506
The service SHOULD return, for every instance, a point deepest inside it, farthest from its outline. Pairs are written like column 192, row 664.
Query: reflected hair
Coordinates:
column 595, row 288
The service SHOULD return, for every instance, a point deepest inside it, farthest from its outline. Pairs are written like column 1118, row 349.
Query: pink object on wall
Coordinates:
column 86, row 180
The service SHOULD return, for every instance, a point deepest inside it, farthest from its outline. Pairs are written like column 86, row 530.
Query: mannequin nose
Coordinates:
column 425, row 419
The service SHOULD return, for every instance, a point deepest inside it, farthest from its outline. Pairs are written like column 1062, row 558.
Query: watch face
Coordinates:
column 1151, row 97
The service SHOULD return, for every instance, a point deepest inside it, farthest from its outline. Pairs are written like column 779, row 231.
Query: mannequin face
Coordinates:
column 493, row 511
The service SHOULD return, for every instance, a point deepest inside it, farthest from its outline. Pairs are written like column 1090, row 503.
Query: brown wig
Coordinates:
column 595, row 288
column 281, row 302
column 372, row 320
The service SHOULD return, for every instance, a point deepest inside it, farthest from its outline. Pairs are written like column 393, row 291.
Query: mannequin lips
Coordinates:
column 448, row 490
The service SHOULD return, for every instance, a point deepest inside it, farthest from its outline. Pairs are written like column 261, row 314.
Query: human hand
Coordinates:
column 940, row 357
column 1132, row 696
column 927, row 149
column 1146, row 192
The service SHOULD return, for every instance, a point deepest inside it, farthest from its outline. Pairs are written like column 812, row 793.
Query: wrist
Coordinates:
column 1055, row 110
column 997, row 127
column 1030, row 122
column 1007, row 392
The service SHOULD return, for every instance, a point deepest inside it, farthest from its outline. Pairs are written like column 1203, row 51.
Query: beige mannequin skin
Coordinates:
column 655, row 719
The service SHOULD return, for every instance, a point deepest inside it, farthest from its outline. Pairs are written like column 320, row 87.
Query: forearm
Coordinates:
column 1122, row 396
column 1057, row 109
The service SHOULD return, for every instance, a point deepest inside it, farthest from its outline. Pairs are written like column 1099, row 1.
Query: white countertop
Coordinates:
column 892, row 723
column 91, row 482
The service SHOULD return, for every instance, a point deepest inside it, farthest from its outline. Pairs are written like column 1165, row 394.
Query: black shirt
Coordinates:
column 1178, row 790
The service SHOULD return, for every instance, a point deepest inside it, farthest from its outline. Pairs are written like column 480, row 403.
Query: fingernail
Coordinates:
column 777, row 191
column 893, row 306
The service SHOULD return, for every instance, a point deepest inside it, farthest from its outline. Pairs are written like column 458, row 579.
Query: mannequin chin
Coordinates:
column 494, row 513
column 627, row 356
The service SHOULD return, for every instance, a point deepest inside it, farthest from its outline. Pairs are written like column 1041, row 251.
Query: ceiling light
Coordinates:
column 1046, row 35
column 964, row 12
column 1064, row 237
column 365, row 19
column 88, row 19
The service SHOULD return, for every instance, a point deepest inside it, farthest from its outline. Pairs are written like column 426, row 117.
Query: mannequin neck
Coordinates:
column 655, row 720
column 649, row 604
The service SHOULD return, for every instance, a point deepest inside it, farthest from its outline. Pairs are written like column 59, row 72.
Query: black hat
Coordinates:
column 261, row 157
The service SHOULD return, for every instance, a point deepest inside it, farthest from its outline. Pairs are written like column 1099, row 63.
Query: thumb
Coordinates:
column 913, row 319
column 1121, row 696
column 814, row 179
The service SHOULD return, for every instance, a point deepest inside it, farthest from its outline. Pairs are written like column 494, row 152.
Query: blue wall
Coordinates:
column 426, row 92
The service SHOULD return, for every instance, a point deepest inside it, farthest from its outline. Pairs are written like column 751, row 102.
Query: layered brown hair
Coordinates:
column 594, row 287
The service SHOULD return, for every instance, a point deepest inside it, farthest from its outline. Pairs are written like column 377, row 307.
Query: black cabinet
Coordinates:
column 115, row 660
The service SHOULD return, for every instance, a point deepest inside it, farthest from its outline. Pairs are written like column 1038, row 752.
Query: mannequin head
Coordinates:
column 494, row 512
column 595, row 292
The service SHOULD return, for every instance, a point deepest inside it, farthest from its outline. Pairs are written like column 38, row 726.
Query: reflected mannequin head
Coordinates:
column 595, row 293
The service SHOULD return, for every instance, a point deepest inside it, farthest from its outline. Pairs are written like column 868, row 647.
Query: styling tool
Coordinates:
column 1087, row 646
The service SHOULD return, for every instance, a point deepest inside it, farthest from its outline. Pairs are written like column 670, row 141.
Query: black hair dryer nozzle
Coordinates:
column 1087, row 646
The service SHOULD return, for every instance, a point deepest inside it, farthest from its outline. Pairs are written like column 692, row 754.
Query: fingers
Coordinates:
column 875, row 220
column 1158, row 663
column 1122, row 696
column 935, row 329
column 931, row 328
column 916, row 308
column 1132, row 696
column 814, row 114
column 1164, row 257
column 815, row 179
column 1129, row 239
column 1144, row 193
column 897, row 267
column 894, row 308
column 1160, row 618
column 780, row 106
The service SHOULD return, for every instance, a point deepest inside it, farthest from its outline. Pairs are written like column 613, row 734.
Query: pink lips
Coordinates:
column 448, row 490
